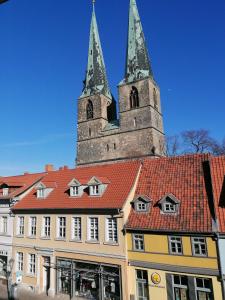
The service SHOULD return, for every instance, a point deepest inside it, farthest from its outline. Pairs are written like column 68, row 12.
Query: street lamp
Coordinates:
column 8, row 272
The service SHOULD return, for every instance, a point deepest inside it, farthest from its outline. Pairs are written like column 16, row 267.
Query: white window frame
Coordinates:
column 31, row 264
column 46, row 231
column 74, row 191
column 138, row 242
column 180, row 285
column 20, row 259
column 21, row 227
column 41, row 193
column 176, row 240
column 111, row 230
column 203, row 289
column 199, row 241
column 93, row 229
column 5, row 192
column 76, row 230
column 33, row 226
column 141, row 206
column 95, row 190
column 169, row 207
column 61, row 228
column 4, row 225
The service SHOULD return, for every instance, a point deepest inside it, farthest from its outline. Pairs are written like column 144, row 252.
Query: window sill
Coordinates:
column 75, row 241
column 31, row 237
column 92, row 242
column 19, row 236
column 178, row 254
column 137, row 250
column 5, row 234
column 200, row 255
column 45, row 238
column 111, row 243
column 61, row 239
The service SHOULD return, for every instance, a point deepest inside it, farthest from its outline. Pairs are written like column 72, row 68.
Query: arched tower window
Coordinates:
column 89, row 110
column 134, row 97
column 89, row 132
column 155, row 98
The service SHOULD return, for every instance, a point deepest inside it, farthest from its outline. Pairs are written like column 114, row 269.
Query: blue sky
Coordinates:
column 44, row 46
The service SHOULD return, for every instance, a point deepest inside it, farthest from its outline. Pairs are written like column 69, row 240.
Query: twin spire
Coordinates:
column 137, row 63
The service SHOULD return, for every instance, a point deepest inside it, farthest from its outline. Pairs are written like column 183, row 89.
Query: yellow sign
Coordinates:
column 156, row 279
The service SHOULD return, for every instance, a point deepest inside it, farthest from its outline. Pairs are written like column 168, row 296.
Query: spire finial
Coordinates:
column 93, row 3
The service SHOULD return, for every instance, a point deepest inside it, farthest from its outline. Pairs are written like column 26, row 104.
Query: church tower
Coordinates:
column 139, row 95
column 139, row 130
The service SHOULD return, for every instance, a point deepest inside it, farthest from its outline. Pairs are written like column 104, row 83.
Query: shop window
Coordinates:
column 199, row 246
column 180, row 287
column 175, row 245
column 142, row 285
column 138, row 242
column 204, row 288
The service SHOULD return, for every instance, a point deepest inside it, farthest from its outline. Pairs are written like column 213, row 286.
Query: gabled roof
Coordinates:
column 217, row 168
column 183, row 177
column 171, row 197
column 22, row 182
column 121, row 176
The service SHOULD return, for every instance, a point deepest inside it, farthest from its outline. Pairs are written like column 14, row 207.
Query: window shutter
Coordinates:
column 191, row 287
column 169, row 285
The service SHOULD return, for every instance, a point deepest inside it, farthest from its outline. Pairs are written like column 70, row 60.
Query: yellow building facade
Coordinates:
column 161, row 274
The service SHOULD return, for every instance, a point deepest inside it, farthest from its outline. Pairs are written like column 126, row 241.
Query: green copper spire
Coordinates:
column 137, row 63
column 96, row 80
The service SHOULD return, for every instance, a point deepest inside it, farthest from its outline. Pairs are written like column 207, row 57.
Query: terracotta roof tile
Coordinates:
column 183, row 177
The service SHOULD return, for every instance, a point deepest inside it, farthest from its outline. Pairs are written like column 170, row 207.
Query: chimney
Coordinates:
column 49, row 168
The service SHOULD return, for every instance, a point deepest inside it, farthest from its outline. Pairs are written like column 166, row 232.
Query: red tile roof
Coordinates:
column 22, row 182
column 183, row 177
column 217, row 166
column 120, row 175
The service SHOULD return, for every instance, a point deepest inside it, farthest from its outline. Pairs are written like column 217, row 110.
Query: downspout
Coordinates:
column 215, row 224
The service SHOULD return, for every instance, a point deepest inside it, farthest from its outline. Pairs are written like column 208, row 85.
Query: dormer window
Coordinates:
column 75, row 188
column 5, row 192
column 141, row 204
column 74, row 191
column 94, row 190
column 41, row 193
column 169, row 204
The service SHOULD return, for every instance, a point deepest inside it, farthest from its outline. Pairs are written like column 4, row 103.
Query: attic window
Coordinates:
column 5, row 191
column 94, row 190
column 141, row 204
column 74, row 191
column 169, row 204
column 41, row 193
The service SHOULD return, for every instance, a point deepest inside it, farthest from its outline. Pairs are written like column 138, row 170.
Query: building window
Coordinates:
column 111, row 228
column 135, row 122
column 175, row 245
column 89, row 132
column 94, row 190
column 74, row 191
column 5, row 192
column 107, row 148
column 180, row 287
column 204, row 288
column 20, row 261
column 21, row 225
column 89, row 110
column 41, row 193
column 141, row 206
column 138, row 242
column 32, row 264
column 134, row 98
column 199, row 246
column 33, row 225
column 76, row 229
column 62, row 227
column 47, row 227
column 114, row 146
column 93, row 229
column 4, row 225
column 169, row 207
column 142, row 285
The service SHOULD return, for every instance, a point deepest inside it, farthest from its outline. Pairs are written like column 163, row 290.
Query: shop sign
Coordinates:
column 155, row 277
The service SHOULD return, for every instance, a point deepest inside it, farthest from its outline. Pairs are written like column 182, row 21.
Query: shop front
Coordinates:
column 88, row 280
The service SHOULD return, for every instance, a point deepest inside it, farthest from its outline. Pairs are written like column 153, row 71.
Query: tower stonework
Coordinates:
column 139, row 130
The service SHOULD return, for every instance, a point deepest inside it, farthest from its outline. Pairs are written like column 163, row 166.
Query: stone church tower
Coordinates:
column 139, row 130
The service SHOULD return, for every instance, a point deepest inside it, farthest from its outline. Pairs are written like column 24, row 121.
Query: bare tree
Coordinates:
column 197, row 141
column 218, row 148
column 172, row 145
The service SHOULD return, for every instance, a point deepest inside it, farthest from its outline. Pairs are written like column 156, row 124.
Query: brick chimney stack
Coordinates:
column 49, row 168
